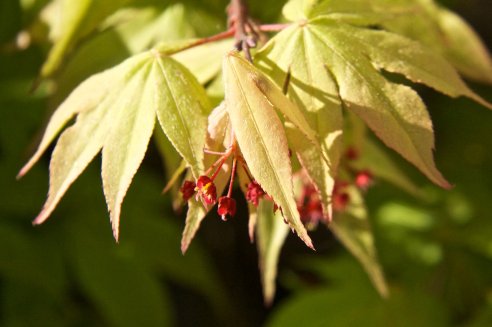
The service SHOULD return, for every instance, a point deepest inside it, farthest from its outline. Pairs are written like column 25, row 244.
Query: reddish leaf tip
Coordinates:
column 184, row 247
column 41, row 217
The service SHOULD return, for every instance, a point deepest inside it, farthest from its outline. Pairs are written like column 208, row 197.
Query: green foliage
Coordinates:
column 294, row 119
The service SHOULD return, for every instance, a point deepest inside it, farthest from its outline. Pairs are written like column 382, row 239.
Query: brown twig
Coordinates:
column 245, row 30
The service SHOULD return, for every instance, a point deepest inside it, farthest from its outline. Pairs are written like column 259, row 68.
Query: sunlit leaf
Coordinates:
column 423, row 20
column 395, row 112
column 74, row 150
column 352, row 228
column 180, row 97
column 217, row 137
column 120, row 121
column 205, row 61
column 271, row 232
column 127, row 142
column 261, row 138
column 312, row 87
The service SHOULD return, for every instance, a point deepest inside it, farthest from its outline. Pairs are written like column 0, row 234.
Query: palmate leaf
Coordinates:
column 261, row 138
column 116, row 112
column 271, row 232
column 394, row 112
column 316, row 93
column 422, row 20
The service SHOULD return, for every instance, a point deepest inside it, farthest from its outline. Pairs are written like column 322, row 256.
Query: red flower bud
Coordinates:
column 364, row 179
column 187, row 190
column 206, row 189
column 227, row 206
column 254, row 193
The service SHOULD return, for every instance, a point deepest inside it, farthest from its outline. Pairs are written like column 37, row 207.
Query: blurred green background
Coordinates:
column 437, row 253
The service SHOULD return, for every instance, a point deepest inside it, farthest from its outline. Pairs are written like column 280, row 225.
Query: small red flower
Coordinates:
column 227, row 206
column 187, row 190
column 254, row 193
column 206, row 189
column 310, row 207
column 364, row 179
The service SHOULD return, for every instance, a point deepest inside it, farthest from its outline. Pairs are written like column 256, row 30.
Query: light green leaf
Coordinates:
column 217, row 134
column 86, row 96
column 352, row 228
column 295, row 10
column 415, row 62
column 180, row 97
column 261, row 138
column 205, row 61
column 78, row 19
column 116, row 113
column 314, row 90
column 464, row 48
column 394, row 112
column 74, row 150
column 127, row 143
column 280, row 102
column 271, row 232
column 196, row 213
column 425, row 21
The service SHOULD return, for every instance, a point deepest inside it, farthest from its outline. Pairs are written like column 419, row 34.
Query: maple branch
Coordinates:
column 245, row 30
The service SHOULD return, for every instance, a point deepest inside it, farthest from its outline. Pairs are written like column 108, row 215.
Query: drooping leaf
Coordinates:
column 312, row 87
column 74, row 149
column 423, row 20
column 180, row 98
column 127, row 142
column 394, row 112
column 261, row 138
column 353, row 229
column 217, row 138
column 196, row 213
column 116, row 113
column 86, row 96
column 271, row 232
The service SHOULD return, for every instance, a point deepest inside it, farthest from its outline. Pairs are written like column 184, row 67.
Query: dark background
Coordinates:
column 437, row 253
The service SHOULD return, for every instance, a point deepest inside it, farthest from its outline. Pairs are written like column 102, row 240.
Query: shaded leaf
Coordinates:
column 346, row 300
column 352, row 228
column 271, row 232
column 261, row 138
column 78, row 19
